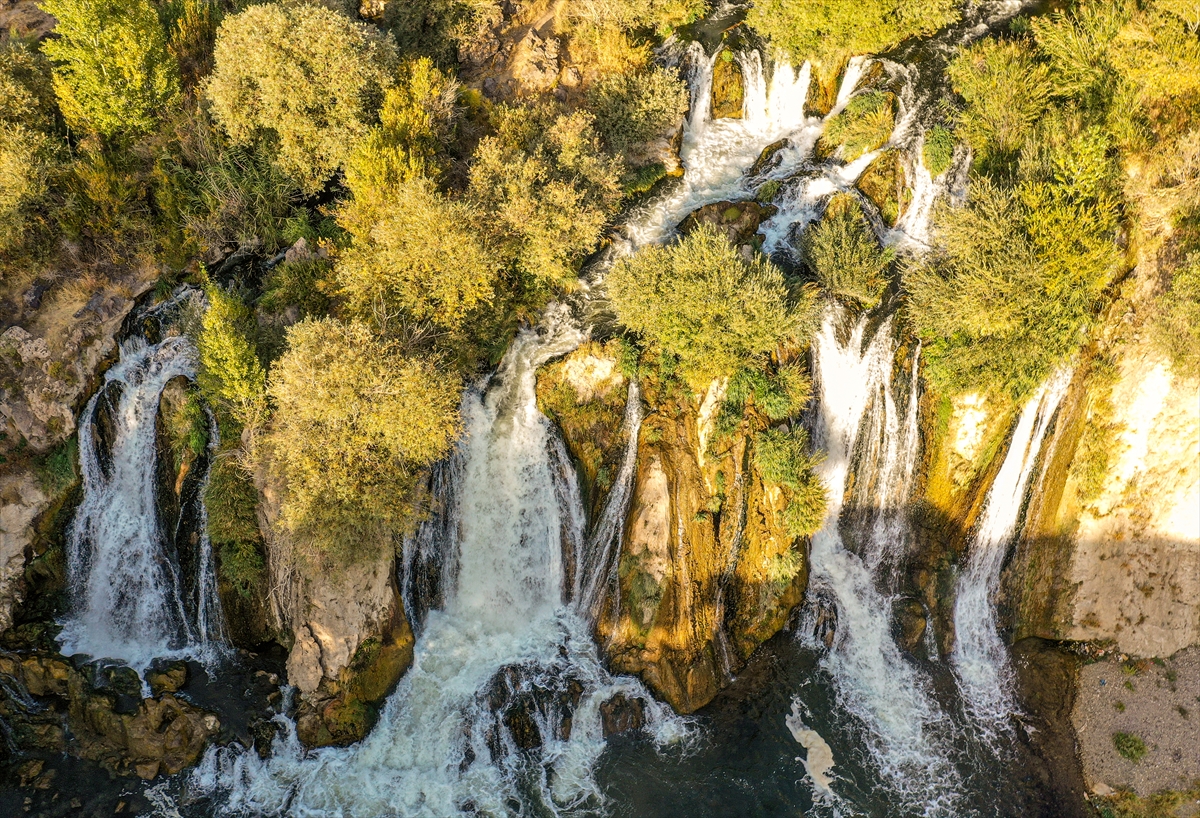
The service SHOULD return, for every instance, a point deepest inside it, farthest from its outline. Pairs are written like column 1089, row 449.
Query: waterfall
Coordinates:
column 506, row 642
column 980, row 658
column 862, row 432
column 131, row 599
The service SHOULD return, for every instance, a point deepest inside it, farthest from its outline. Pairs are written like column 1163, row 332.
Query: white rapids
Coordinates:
column 980, row 658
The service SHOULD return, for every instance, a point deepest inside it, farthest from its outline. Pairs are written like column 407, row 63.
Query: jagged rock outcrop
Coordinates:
column 22, row 501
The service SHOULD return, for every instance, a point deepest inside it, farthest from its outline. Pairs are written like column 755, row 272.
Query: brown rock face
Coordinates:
column 707, row 571
column 728, row 88
column 622, row 714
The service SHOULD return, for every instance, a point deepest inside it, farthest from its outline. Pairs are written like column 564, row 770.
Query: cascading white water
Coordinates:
column 872, row 679
column 129, row 601
column 439, row 745
column 979, row 657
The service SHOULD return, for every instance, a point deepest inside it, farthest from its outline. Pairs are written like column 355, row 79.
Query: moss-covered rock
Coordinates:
column 728, row 87
column 883, row 183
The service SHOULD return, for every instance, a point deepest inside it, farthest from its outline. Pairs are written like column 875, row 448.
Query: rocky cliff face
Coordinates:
column 706, row 571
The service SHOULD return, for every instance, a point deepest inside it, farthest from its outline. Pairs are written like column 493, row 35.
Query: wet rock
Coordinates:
column 728, row 87
column 908, row 624
column 737, row 221
column 623, row 714
column 769, row 158
column 883, row 183
column 167, row 676
column 22, row 501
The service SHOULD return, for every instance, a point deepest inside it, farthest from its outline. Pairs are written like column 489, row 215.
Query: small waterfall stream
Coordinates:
column 132, row 598
column 860, row 429
column 980, row 657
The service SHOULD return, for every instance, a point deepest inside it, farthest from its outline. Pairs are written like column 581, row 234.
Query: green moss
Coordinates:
column 1160, row 805
column 56, row 470
column 938, row 150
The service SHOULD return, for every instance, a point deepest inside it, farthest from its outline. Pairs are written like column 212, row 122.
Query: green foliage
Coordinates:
column 112, row 72
column 1160, row 805
column 231, row 501
column 1129, row 746
column 1012, row 287
column 423, row 257
column 309, row 78
column 305, row 283
column 230, row 376
column 439, row 28
column 27, row 150
column 356, row 418
column 1077, row 47
column 785, row 459
column 626, row 15
column 636, row 107
column 191, row 27
column 1006, row 91
column 700, row 300
column 1175, row 325
column 1159, row 52
column 938, row 150
column 845, row 254
column 416, row 122
column 865, row 124
column 1089, row 468
column 829, row 31
column 547, row 187
column 56, row 470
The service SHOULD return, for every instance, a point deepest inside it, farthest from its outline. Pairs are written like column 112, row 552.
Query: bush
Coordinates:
column 231, row 502
column 423, row 258
column 548, row 188
column 309, row 77
column 1012, row 287
column 231, row 376
column 1175, row 326
column 864, row 125
column 1006, row 91
column 700, row 300
column 355, row 418
column 1159, row 52
column 627, row 15
column 636, row 107
column 845, row 255
column 27, row 150
column 112, row 72
column 784, row 458
column 439, row 29
column 829, row 31
column 191, row 27
column 1129, row 746
column 938, row 150
column 305, row 283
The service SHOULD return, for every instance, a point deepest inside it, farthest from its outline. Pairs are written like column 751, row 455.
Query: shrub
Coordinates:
column 231, row 502
column 864, row 125
column 1012, row 287
column 309, row 77
column 355, row 418
column 845, row 255
column 938, row 150
column 661, row 15
column 829, row 31
column 112, row 71
column 439, row 29
column 1005, row 91
column 1159, row 52
column 548, row 188
column 305, row 283
column 27, row 151
column 1129, row 746
column 423, row 257
column 784, row 458
column 1175, row 326
column 56, row 470
column 700, row 300
column 230, row 375
column 636, row 107
column 191, row 27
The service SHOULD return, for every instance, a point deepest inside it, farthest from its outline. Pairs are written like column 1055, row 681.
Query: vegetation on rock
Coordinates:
column 845, row 255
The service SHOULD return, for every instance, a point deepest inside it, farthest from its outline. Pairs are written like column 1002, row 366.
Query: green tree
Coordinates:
column 231, row 376
column 1159, row 52
column 27, row 149
column 700, row 300
column 307, row 77
column 548, row 188
column 845, row 254
column 1176, row 323
column 1005, row 89
column 785, row 459
column 355, row 419
column 112, row 72
column 865, row 124
column 422, row 257
column 635, row 107
column 829, row 31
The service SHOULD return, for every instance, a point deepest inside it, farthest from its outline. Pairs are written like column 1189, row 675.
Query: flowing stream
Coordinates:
column 133, row 599
column 980, row 657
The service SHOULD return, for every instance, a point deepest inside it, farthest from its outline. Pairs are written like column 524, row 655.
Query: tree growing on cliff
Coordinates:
column 548, row 187
column 308, row 78
column 844, row 254
column 230, row 375
column 634, row 107
column 112, row 71
column 700, row 300
column 355, row 418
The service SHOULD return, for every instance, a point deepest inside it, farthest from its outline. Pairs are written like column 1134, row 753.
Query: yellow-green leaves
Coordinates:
column 845, row 254
column 230, row 373
column 355, row 418
column 112, row 72
column 700, row 300
column 310, row 78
